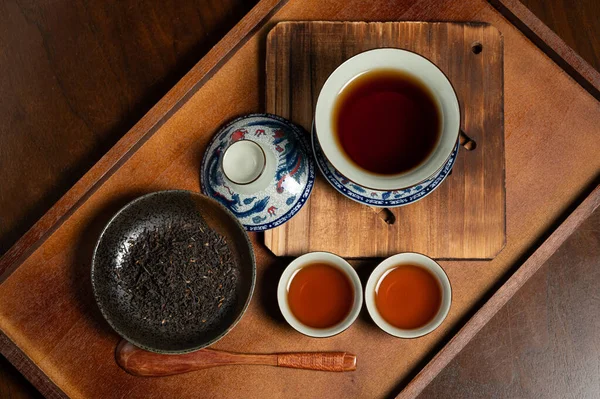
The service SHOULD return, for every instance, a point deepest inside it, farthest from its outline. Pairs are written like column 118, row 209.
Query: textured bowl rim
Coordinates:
column 99, row 300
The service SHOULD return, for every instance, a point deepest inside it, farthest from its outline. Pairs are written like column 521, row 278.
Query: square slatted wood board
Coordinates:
column 465, row 216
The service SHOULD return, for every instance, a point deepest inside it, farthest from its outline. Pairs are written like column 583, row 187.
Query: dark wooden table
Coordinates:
column 545, row 343
column 77, row 75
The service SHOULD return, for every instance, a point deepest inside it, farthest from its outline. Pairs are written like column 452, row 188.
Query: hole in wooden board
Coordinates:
column 384, row 214
column 476, row 48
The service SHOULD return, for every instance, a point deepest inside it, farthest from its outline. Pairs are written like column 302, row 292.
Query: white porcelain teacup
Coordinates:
column 334, row 261
column 388, row 265
column 406, row 62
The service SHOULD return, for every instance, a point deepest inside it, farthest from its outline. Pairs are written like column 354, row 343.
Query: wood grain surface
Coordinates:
column 143, row 129
column 465, row 216
column 544, row 343
column 76, row 75
column 13, row 384
column 29, row 369
column 54, row 319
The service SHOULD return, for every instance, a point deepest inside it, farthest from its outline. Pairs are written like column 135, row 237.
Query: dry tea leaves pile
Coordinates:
column 178, row 278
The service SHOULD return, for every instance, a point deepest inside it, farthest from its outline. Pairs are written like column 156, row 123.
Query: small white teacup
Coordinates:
column 403, row 259
column 331, row 260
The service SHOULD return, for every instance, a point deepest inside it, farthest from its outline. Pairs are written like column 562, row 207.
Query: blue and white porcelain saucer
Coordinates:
column 266, row 177
column 383, row 199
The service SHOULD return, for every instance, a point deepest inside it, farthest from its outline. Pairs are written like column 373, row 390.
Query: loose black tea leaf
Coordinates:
column 179, row 277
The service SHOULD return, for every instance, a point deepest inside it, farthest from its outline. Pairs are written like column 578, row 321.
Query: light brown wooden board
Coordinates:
column 465, row 216
column 46, row 306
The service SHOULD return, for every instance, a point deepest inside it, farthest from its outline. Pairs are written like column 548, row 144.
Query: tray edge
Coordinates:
column 550, row 44
column 518, row 277
column 29, row 369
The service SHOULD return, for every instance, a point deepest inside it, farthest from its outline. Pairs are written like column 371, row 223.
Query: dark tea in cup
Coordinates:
column 319, row 294
column 387, row 121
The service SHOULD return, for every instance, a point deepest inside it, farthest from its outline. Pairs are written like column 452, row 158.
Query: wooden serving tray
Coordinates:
column 465, row 216
column 52, row 330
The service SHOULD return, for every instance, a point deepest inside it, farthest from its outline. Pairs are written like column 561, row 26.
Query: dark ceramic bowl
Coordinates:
column 153, row 211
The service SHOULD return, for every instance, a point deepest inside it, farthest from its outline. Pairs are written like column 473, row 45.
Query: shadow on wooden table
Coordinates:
column 266, row 290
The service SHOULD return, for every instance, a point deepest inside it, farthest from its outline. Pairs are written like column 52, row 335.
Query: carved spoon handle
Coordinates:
column 323, row 361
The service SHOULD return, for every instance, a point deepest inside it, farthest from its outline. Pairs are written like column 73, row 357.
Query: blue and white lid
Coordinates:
column 273, row 172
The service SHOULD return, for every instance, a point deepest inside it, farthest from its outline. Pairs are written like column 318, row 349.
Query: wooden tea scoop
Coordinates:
column 139, row 362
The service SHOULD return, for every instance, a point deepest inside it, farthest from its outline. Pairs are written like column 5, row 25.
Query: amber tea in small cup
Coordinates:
column 408, row 295
column 320, row 294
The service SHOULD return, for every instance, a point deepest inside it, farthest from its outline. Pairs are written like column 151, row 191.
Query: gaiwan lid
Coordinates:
column 260, row 167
